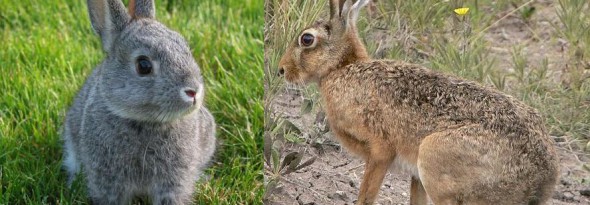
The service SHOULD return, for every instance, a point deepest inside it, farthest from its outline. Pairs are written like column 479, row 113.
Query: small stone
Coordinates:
column 339, row 195
column 559, row 139
column 352, row 183
column 568, row 195
column 316, row 175
column 565, row 182
column 404, row 194
column 585, row 192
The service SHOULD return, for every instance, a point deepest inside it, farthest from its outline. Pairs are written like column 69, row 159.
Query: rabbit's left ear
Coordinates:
column 142, row 9
column 108, row 18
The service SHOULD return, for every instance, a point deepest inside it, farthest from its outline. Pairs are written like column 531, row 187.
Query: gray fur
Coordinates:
column 108, row 18
column 135, row 135
column 142, row 9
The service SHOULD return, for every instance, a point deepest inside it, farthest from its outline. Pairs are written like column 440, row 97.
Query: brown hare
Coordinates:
column 462, row 143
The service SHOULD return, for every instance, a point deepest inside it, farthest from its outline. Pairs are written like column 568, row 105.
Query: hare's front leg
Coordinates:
column 375, row 170
column 417, row 193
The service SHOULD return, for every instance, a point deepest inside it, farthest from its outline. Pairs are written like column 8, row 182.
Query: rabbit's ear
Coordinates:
column 354, row 11
column 108, row 18
column 142, row 9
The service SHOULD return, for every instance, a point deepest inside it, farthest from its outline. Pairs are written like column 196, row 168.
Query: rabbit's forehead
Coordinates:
column 155, row 37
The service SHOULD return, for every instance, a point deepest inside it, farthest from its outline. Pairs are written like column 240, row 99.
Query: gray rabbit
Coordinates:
column 138, row 127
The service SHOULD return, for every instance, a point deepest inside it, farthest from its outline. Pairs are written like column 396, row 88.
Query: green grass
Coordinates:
column 47, row 50
column 429, row 33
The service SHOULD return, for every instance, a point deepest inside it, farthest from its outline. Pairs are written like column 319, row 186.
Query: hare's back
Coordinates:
column 434, row 97
column 401, row 99
column 439, row 101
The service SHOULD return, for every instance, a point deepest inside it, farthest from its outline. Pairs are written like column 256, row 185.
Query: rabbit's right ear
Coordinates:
column 108, row 18
column 142, row 9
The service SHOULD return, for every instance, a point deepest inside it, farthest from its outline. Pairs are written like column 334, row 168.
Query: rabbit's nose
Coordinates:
column 190, row 92
column 281, row 71
column 189, row 95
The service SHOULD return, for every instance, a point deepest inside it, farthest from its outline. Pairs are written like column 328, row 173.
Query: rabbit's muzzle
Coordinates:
column 190, row 95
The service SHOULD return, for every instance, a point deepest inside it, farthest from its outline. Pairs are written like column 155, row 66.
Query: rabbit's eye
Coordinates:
column 307, row 39
column 143, row 65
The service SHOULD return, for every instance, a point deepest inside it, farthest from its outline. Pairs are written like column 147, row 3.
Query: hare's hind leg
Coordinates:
column 467, row 165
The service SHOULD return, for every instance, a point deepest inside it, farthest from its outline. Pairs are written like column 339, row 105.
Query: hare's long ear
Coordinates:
column 108, row 18
column 353, row 13
column 142, row 9
column 346, row 8
column 336, row 8
column 340, row 9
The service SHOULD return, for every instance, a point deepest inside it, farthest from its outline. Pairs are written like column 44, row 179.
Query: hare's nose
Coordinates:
column 281, row 71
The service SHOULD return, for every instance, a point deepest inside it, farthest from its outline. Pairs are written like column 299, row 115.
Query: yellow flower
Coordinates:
column 461, row 11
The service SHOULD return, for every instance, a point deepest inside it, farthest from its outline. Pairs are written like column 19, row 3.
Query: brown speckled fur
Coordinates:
column 462, row 142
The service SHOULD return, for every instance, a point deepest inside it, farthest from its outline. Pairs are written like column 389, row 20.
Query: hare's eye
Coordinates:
column 307, row 39
column 143, row 65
